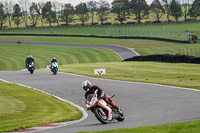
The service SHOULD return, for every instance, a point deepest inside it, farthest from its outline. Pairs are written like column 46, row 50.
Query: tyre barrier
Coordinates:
column 167, row 58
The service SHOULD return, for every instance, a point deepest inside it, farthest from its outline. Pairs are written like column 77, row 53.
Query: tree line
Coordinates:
column 55, row 12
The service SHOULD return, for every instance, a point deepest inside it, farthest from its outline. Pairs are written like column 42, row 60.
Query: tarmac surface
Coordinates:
column 143, row 104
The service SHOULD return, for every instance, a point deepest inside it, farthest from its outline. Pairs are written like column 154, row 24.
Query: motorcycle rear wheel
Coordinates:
column 101, row 117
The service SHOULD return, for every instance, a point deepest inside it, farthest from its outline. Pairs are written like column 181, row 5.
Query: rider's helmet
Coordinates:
column 86, row 85
column 54, row 58
column 30, row 56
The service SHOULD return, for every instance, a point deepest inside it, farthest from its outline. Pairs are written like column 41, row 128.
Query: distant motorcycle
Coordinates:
column 54, row 68
column 31, row 67
column 103, row 111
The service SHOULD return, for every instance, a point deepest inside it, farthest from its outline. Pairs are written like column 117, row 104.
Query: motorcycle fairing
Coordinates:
column 104, row 105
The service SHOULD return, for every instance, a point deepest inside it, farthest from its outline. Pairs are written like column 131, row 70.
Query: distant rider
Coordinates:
column 53, row 60
column 90, row 89
column 29, row 59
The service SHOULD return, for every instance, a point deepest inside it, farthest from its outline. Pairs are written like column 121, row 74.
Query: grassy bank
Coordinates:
column 23, row 107
column 144, row 47
column 130, row 43
column 134, row 30
column 186, row 127
column 180, row 74
column 12, row 57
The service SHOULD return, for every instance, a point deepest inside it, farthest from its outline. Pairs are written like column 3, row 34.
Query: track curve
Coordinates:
column 143, row 104
column 123, row 52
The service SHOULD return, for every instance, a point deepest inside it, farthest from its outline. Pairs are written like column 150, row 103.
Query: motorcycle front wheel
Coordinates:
column 55, row 72
column 31, row 71
column 120, row 116
column 100, row 115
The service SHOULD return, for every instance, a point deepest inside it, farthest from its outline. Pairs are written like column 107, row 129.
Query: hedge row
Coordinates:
column 167, row 58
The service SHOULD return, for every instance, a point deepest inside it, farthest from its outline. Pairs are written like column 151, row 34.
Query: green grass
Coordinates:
column 173, row 31
column 144, row 47
column 23, row 107
column 12, row 57
column 184, row 49
column 179, row 74
column 186, row 127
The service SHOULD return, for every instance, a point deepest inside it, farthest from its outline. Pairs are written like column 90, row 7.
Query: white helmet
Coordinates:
column 86, row 85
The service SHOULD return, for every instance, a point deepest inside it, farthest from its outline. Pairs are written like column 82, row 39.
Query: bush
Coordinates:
column 96, row 23
column 130, row 23
column 156, row 22
column 107, row 23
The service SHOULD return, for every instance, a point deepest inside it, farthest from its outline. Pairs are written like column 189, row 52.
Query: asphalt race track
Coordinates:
column 143, row 104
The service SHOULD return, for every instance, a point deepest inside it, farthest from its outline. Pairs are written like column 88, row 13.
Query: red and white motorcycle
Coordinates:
column 102, row 110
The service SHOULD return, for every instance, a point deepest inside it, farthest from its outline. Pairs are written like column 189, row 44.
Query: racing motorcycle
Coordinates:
column 54, row 68
column 31, row 67
column 104, row 112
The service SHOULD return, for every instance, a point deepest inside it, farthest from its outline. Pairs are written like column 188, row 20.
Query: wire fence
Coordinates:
column 162, row 33
column 159, row 30
column 182, row 51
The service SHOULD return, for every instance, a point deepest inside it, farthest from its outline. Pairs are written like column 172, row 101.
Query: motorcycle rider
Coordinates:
column 53, row 60
column 90, row 89
column 29, row 59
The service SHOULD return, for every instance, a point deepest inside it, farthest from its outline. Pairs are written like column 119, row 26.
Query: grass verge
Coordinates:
column 12, row 57
column 185, row 127
column 144, row 47
column 179, row 74
column 23, row 107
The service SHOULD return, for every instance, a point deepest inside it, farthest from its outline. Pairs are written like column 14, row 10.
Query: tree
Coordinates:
column 82, row 12
column 140, row 9
column 68, row 14
column 9, row 10
column 40, row 6
column 2, row 15
column 34, row 13
column 166, row 4
column 121, row 8
column 185, row 8
column 92, row 7
column 48, row 13
column 57, row 9
column 102, row 11
column 195, row 9
column 175, row 9
column 25, row 4
column 17, row 14
column 158, row 9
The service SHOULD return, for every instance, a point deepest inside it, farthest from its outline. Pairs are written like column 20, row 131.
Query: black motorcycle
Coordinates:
column 31, row 67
